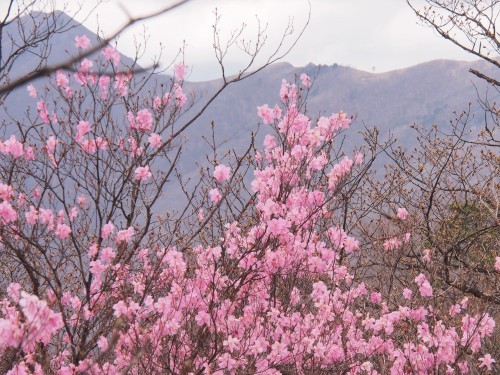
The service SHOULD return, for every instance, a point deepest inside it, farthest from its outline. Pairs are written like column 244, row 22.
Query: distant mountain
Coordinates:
column 425, row 94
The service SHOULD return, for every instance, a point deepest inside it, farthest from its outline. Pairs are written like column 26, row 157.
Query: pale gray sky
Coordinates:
column 372, row 35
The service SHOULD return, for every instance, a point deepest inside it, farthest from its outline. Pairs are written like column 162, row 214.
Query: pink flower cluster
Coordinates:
column 271, row 290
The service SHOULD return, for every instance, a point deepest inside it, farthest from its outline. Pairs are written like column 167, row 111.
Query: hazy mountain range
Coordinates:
column 425, row 94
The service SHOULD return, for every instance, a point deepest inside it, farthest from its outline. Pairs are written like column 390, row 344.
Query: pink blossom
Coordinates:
column 392, row 244
column 51, row 143
column 62, row 79
column 231, row 343
column 351, row 245
column 83, row 128
column 21, row 199
column 32, row 91
column 104, row 86
column 142, row 173
column 358, row 158
column 202, row 318
column 306, row 80
column 107, row 254
column 407, row 293
column 42, row 322
column 7, row 213
column 222, row 173
column 157, row 103
column 102, row 343
column 425, row 287
column 135, row 150
column 6, row 192
column 121, row 80
column 266, row 114
column 179, row 95
column 107, row 229
column 13, row 290
column 376, row 297
column 81, row 200
column 42, row 111
column 82, row 41
column 89, row 146
column 111, row 54
column 62, row 231
column 269, row 141
column 125, row 235
column 143, row 121
column 155, row 140
column 73, row 214
column 486, row 361
column 455, row 309
column 402, row 213
column 497, row 264
column 215, row 195
column 96, row 268
column 180, row 72
column 427, row 255
column 13, row 147
column 85, row 66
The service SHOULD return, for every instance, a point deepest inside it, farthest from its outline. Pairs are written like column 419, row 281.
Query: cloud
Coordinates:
column 362, row 33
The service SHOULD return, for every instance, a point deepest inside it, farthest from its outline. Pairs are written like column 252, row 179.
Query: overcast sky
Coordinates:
column 372, row 35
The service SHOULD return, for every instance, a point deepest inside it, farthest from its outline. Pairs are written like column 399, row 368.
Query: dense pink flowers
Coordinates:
column 266, row 284
column 38, row 324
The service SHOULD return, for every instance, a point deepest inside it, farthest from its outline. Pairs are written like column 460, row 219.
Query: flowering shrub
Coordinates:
column 108, row 286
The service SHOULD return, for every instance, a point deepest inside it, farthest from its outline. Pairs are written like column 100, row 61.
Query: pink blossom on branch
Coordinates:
column 486, row 361
column 155, row 140
column 143, row 173
column 62, row 231
column 180, row 71
column 143, row 121
column 222, row 173
column 82, row 41
column 215, row 195
column 32, row 91
column 107, row 229
column 125, row 235
column 402, row 213
column 305, row 80
column 7, row 213
column 110, row 54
